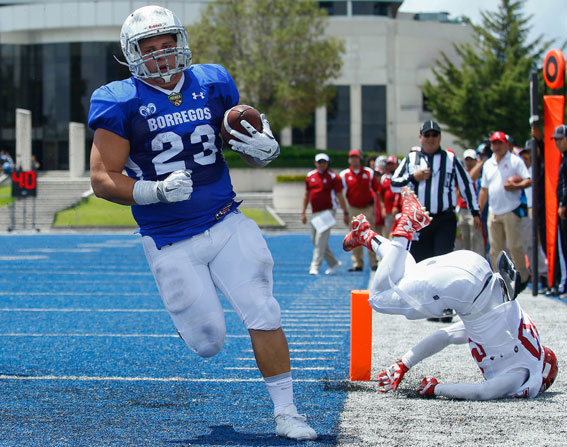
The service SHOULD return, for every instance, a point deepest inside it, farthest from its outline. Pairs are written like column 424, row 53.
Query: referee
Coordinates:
column 435, row 174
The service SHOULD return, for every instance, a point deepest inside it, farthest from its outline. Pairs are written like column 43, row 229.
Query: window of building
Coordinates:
column 424, row 106
column 366, row 8
column 334, row 8
column 374, row 120
column 338, row 120
column 305, row 137
column 55, row 82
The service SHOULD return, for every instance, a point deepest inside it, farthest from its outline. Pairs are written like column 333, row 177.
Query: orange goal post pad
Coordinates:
column 360, row 335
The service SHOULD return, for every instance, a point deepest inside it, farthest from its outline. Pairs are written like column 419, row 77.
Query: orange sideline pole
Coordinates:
column 360, row 335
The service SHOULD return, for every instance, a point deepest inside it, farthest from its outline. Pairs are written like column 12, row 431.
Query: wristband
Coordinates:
column 145, row 192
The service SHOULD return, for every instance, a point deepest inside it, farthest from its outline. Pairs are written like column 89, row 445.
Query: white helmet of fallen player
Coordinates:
column 151, row 21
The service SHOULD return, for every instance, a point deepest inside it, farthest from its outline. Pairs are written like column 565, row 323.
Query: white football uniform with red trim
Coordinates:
column 506, row 338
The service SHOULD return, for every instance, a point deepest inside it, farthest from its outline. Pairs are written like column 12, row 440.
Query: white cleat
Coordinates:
column 313, row 271
column 334, row 269
column 291, row 425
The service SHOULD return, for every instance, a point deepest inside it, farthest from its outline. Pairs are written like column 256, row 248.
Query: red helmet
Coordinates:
column 549, row 371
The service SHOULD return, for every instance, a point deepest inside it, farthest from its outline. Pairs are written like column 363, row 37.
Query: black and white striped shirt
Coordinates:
column 439, row 192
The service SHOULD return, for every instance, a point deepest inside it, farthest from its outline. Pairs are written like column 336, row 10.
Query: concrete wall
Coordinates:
column 259, row 180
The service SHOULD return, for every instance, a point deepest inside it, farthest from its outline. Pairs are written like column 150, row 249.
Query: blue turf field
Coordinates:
column 88, row 356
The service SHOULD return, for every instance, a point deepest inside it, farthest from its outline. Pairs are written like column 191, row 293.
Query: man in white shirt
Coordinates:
column 503, row 177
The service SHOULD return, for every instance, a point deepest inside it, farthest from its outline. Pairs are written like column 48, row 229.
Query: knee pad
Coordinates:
column 205, row 337
column 263, row 315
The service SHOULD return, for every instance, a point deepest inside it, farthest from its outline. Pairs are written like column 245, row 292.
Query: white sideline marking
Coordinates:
column 95, row 335
column 318, row 325
column 295, row 359
column 316, row 320
column 316, row 312
column 78, row 293
column 105, row 245
column 109, row 335
column 309, row 330
column 291, row 343
column 255, row 368
column 304, row 350
column 314, row 336
column 22, row 258
column 57, row 250
column 145, row 379
column 81, row 272
column 52, row 309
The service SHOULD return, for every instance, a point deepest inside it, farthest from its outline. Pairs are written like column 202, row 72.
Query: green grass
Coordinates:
column 95, row 212
column 6, row 195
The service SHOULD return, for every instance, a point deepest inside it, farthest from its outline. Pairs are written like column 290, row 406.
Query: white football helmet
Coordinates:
column 151, row 21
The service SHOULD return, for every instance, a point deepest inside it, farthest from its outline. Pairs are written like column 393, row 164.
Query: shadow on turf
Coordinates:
column 222, row 435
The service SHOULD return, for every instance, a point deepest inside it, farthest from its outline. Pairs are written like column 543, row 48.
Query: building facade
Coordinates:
column 56, row 53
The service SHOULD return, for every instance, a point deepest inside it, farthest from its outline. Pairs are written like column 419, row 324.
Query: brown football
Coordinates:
column 233, row 117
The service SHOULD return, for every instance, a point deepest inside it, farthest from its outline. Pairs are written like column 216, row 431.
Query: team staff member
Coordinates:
column 392, row 200
column 162, row 126
column 358, row 183
column 471, row 237
column 560, row 137
column 434, row 175
column 323, row 188
column 503, row 195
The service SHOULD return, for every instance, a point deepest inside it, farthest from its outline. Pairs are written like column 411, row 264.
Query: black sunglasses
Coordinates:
column 431, row 134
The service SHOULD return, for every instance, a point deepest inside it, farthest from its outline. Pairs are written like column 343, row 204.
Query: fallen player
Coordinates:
column 502, row 338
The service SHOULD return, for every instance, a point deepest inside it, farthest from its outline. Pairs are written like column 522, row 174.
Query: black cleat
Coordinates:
column 510, row 275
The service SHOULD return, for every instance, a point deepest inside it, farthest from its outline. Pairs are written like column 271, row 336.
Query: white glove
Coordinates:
column 176, row 187
column 261, row 146
column 390, row 379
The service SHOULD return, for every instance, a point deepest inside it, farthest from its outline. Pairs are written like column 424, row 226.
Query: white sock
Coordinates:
column 402, row 242
column 380, row 244
column 280, row 388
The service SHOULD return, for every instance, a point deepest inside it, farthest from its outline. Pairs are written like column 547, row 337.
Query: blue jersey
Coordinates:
column 169, row 131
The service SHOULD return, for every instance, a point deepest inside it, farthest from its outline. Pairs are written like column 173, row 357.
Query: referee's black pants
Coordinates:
column 438, row 238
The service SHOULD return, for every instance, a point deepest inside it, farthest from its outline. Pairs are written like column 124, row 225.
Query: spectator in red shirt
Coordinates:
column 358, row 183
column 323, row 190
column 372, row 163
column 392, row 200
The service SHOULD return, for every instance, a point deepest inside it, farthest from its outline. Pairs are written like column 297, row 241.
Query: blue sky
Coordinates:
column 549, row 16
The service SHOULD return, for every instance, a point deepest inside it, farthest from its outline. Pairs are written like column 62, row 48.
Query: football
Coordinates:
column 233, row 117
column 514, row 179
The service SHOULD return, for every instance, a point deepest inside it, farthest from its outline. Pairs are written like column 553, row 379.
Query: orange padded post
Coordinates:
column 360, row 335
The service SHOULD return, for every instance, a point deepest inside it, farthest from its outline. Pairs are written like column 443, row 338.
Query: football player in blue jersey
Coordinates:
column 161, row 126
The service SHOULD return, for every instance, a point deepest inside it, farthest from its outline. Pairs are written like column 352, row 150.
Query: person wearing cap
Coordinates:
column 435, row 174
column 377, row 164
column 323, row 189
column 471, row 237
column 503, row 177
column 358, row 184
column 560, row 137
column 392, row 200
column 525, row 153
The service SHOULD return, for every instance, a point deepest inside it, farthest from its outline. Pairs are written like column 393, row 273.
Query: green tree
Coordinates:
column 489, row 89
column 276, row 51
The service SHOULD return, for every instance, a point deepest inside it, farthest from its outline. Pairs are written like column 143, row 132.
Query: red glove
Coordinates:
column 427, row 387
column 390, row 379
